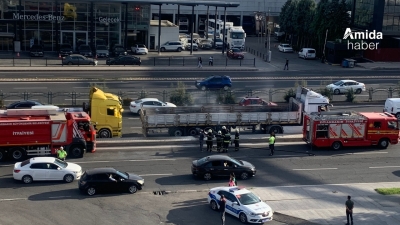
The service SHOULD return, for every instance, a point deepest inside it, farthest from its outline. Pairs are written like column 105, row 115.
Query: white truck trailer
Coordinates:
column 236, row 37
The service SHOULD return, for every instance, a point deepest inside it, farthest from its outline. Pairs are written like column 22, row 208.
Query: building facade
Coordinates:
column 52, row 23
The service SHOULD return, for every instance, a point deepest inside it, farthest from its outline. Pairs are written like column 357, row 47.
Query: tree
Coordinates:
column 302, row 14
column 319, row 24
column 180, row 96
column 286, row 19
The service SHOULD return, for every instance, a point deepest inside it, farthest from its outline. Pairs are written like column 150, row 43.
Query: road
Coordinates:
column 168, row 169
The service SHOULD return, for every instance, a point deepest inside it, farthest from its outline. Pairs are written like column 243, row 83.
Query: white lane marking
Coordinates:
column 60, row 197
column 22, row 88
column 136, row 127
column 80, row 87
column 8, row 165
column 316, row 169
column 12, row 199
column 367, row 153
column 128, row 160
column 383, row 167
column 81, row 99
column 159, row 174
column 132, row 118
column 11, row 100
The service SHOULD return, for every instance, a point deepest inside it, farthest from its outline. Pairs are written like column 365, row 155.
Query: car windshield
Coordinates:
column 26, row 162
column 338, row 83
column 101, row 47
column 60, row 163
column 138, row 101
column 141, row 46
column 123, row 174
column 206, row 42
column 208, row 78
column 286, row 46
column 202, row 160
column 248, row 198
column 237, row 35
column 218, row 40
column 237, row 161
column 236, row 50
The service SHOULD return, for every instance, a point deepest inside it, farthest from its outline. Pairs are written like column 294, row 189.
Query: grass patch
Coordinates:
column 388, row 191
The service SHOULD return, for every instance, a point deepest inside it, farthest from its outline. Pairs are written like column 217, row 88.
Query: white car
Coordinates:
column 307, row 53
column 139, row 49
column 144, row 103
column 285, row 48
column 46, row 168
column 241, row 203
column 343, row 86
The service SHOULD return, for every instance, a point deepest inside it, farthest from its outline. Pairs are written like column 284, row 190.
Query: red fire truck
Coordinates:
column 84, row 125
column 347, row 129
column 39, row 132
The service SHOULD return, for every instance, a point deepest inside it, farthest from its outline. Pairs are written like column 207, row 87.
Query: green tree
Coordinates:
column 319, row 24
column 286, row 20
column 180, row 96
column 303, row 13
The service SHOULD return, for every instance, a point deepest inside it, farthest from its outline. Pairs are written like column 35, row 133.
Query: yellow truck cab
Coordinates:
column 105, row 109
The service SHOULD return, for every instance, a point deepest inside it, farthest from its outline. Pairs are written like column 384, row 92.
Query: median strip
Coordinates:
column 388, row 191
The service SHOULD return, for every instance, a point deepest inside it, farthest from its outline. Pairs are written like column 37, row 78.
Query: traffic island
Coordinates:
column 388, row 191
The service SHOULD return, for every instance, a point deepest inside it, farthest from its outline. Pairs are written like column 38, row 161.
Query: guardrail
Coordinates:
column 199, row 97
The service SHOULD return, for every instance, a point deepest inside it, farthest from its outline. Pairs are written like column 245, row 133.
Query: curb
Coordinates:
column 80, row 69
column 155, row 142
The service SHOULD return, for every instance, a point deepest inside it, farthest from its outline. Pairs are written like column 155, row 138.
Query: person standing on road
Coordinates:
column 222, row 206
column 272, row 143
column 61, row 154
column 349, row 210
column 233, row 177
column 286, row 65
column 209, row 141
column 236, row 140
column 227, row 141
column 211, row 61
column 201, row 140
column 200, row 63
column 219, row 138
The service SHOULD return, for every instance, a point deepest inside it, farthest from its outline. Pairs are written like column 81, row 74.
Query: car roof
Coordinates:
column 348, row 81
column 148, row 99
column 234, row 190
column 252, row 97
column 218, row 157
column 100, row 170
column 24, row 101
column 42, row 160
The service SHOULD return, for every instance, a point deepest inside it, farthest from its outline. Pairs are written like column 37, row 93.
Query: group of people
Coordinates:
column 223, row 139
column 210, row 62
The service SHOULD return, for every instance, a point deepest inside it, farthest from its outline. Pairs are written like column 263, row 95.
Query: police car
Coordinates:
column 241, row 203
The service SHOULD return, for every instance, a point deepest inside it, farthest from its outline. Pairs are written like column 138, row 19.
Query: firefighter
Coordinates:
column 236, row 140
column 61, row 154
column 209, row 140
column 224, row 130
column 219, row 141
column 227, row 141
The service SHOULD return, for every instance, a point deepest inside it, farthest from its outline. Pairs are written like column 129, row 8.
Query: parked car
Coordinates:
column 124, row 60
column 241, row 203
column 172, row 46
column 255, row 101
column 76, row 59
column 222, row 166
column 138, row 105
column 188, row 45
column 102, row 51
column 109, row 180
column 218, row 42
column 285, row 48
column 235, row 53
column 85, row 50
column 46, row 168
column 343, row 86
column 119, row 50
column 206, row 44
column 214, row 82
column 392, row 106
column 307, row 53
column 36, row 51
column 139, row 49
column 66, row 49
column 27, row 104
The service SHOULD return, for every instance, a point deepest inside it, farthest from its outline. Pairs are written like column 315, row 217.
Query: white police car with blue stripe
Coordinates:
column 241, row 203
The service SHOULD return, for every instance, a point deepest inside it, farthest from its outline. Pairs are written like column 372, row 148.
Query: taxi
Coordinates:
column 241, row 203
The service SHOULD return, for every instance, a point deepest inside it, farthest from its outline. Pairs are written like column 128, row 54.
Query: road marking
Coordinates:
column 23, row 88
column 60, row 197
column 12, row 100
column 383, row 167
column 159, row 174
column 136, row 127
column 316, row 169
column 81, row 87
column 80, row 99
column 133, row 118
column 128, row 160
column 12, row 199
column 367, row 153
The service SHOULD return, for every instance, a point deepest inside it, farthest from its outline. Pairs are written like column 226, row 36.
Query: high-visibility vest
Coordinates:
column 271, row 140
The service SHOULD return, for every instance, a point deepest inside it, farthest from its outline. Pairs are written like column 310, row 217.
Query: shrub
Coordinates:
column 289, row 94
column 350, row 96
column 142, row 94
column 126, row 101
column 225, row 97
column 180, row 96
column 327, row 93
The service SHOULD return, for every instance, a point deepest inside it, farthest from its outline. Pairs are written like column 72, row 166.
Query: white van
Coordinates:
column 307, row 53
column 392, row 105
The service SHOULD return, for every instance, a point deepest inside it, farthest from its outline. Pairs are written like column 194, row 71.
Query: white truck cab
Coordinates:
column 392, row 106
column 312, row 101
column 236, row 37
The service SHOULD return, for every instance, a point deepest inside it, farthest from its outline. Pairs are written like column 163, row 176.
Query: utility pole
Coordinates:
column 269, row 40
column 207, row 21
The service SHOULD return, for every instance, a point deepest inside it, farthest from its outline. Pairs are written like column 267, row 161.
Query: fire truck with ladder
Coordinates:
column 39, row 132
column 350, row 129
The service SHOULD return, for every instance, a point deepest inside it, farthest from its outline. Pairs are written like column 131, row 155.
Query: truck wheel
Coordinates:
column 398, row 116
column 178, row 132
column 105, row 133
column 193, row 132
column 17, row 153
column 383, row 143
column 336, row 145
column 275, row 129
column 76, row 151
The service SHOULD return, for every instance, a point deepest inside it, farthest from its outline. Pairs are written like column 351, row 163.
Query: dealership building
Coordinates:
column 52, row 23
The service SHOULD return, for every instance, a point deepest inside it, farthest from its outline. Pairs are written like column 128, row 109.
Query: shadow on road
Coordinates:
column 9, row 182
column 72, row 193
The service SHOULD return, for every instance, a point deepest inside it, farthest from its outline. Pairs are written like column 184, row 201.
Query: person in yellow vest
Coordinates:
column 272, row 143
column 61, row 154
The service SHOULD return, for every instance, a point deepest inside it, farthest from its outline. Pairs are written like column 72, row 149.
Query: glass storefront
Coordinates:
column 51, row 23
column 364, row 13
column 391, row 16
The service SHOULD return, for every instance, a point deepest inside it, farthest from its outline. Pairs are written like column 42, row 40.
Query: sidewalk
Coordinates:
column 325, row 204
column 380, row 65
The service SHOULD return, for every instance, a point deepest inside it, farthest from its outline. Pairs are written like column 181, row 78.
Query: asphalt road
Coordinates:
column 168, row 169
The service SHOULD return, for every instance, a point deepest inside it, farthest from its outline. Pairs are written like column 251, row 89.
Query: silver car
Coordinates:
column 76, row 59
column 343, row 86
column 102, row 51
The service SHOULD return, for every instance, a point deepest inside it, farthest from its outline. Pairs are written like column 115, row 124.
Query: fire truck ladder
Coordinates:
column 337, row 115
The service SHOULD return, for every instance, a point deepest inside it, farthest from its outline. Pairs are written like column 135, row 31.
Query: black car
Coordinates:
column 109, row 180
column 222, row 166
column 214, row 82
column 124, row 60
column 27, row 104
column 85, row 50
column 66, row 49
column 119, row 50
column 36, row 50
